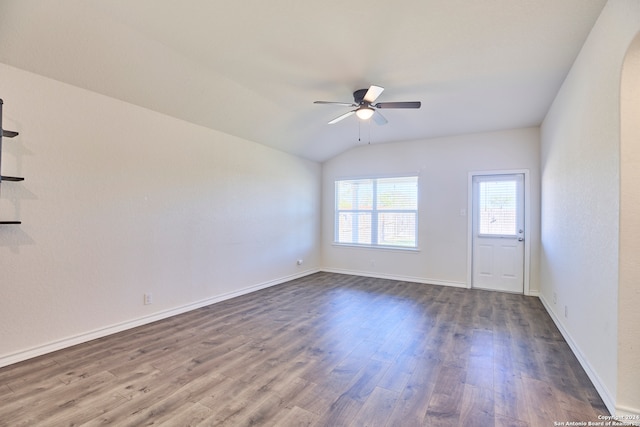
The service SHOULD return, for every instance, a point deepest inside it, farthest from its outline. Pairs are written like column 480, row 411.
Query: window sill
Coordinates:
column 376, row 248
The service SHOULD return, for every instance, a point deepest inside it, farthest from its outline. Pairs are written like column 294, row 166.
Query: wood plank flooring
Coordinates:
column 324, row 350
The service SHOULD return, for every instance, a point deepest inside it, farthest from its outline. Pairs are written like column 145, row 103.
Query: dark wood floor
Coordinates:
column 324, row 350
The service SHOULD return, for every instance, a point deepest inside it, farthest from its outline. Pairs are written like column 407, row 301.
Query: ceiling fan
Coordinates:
column 364, row 100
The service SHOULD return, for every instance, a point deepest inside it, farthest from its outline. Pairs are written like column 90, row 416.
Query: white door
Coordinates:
column 498, row 232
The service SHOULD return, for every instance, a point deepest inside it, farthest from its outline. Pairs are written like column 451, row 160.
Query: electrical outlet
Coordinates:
column 148, row 299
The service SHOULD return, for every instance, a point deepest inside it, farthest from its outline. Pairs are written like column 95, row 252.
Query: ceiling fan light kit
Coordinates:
column 364, row 100
column 364, row 113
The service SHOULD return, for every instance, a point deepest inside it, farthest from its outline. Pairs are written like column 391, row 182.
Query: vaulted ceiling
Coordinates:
column 253, row 68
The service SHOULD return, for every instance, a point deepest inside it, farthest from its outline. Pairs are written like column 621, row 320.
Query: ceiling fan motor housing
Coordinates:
column 358, row 96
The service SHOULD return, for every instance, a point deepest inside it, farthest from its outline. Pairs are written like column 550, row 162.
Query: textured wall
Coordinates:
column 443, row 166
column 581, row 198
column 629, row 292
column 119, row 201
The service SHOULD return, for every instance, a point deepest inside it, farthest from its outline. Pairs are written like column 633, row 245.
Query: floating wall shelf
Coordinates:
column 11, row 178
column 7, row 134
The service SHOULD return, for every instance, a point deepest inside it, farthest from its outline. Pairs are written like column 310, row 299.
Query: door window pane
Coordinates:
column 497, row 205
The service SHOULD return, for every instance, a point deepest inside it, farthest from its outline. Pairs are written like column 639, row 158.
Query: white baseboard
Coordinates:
column 396, row 277
column 119, row 327
column 628, row 415
column 604, row 392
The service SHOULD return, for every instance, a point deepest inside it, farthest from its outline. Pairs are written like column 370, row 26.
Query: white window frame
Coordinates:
column 375, row 213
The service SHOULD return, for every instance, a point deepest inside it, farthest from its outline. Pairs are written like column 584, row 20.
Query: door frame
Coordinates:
column 527, row 222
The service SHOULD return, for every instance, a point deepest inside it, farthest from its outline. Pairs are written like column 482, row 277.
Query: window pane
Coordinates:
column 398, row 193
column 397, row 229
column 497, row 203
column 354, row 194
column 354, row 228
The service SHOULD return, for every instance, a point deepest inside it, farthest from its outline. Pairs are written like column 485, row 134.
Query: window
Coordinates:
column 377, row 212
column 497, row 201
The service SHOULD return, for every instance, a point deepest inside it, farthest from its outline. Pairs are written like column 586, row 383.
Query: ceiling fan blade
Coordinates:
column 346, row 104
column 379, row 118
column 413, row 104
column 373, row 93
column 344, row 116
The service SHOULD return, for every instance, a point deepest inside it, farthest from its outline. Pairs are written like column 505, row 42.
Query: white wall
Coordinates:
column 119, row 201
column 443, row 165
column 580, row 162
column 628, row 396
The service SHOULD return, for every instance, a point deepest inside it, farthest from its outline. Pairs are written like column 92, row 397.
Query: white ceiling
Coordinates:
column 252, row 68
